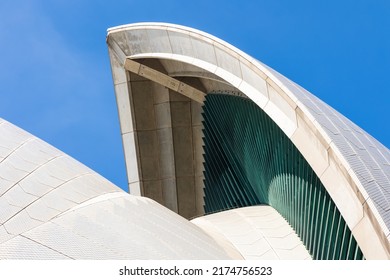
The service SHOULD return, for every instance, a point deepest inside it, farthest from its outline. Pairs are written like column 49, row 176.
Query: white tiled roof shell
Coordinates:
column 353, row 166
column 53, row 207
column 257, row 232
column 367, row 158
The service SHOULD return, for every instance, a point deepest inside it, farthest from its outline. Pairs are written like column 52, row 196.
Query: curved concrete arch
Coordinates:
column 353, row 167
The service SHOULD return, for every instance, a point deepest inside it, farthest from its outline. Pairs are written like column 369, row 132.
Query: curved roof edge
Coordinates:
column 257, row 232
column 54, row 207
column 352, row 165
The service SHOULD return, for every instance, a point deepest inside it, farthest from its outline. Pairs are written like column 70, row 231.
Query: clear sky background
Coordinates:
column 55, row 77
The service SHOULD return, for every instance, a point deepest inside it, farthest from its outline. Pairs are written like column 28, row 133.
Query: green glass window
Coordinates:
column 248, row 160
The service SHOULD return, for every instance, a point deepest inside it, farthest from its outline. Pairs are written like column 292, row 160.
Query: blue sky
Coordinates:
column 55, row 78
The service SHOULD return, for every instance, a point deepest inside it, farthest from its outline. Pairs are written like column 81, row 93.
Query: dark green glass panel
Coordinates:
column 248, row 160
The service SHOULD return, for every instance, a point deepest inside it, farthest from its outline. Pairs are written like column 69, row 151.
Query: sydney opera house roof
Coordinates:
column 226, row 159
column 53, row 207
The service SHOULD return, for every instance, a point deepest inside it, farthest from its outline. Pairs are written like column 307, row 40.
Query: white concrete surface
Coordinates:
column 53, row 207
column 317, row 130
column 257, row 233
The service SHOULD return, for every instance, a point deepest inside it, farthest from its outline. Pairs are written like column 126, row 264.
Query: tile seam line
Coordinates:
column 264, row 237
column 39, row 198
column 30, row 173
column 18, row 147
column 44, row 246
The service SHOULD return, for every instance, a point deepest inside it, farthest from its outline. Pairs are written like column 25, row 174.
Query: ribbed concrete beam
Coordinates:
column 165, row 80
